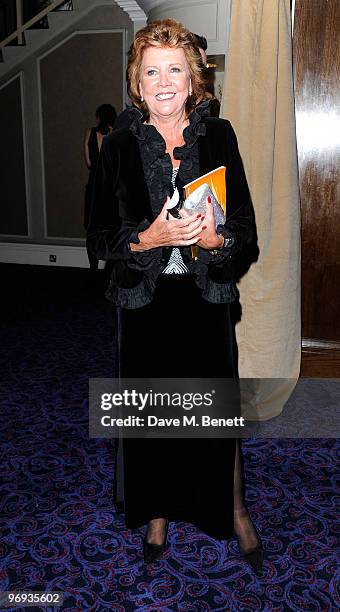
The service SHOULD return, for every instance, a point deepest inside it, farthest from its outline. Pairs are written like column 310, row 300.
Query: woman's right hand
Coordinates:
column 173, row 232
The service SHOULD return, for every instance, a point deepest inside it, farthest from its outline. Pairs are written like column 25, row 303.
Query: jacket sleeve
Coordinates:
column 240, row 226
column 108, row 235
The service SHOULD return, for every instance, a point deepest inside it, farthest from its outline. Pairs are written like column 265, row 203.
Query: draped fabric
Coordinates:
column 259, row 101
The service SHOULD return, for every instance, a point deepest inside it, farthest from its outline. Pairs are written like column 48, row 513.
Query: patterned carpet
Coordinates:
column 59, row 529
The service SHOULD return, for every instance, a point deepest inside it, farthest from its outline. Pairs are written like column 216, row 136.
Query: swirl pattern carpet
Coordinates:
column 59, row 528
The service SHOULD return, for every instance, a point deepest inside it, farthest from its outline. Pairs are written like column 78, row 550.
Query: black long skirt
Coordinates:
column 178, row 335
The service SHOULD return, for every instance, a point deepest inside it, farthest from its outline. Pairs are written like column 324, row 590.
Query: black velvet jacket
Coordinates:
column 132, row 181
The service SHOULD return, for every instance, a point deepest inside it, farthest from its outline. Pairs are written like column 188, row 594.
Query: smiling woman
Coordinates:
column 181, row 56
column 174, row 321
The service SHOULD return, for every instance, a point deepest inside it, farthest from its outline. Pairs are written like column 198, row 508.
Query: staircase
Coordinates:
column 55, row 18
column 46, row 17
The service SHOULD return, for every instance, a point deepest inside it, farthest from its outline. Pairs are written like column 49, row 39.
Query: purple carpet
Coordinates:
column 59, row 528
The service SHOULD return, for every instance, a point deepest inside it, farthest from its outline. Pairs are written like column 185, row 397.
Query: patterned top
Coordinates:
column 175, row 264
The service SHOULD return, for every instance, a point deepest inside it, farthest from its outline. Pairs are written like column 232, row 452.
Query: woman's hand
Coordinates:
column 173, row 232
column 209, row 238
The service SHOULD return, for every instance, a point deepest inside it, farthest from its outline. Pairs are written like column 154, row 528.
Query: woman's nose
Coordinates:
column 164, row 79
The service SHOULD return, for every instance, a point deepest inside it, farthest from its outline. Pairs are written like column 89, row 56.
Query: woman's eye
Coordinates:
column 151, row 72
column 175, row 69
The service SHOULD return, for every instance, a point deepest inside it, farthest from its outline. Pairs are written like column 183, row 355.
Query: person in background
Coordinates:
column 214, row 106
column 106, row 116
column 202, row 47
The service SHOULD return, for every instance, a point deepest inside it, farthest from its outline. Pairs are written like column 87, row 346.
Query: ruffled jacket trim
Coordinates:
column 214, row 274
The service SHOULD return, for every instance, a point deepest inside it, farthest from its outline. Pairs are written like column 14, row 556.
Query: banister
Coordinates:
column 18, row 9
column 21, row 27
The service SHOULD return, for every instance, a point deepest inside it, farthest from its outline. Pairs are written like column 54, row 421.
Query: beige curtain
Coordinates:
column 258, row 99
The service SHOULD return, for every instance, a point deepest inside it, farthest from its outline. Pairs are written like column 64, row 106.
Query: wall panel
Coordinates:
column 76, row 77
column 13, row 219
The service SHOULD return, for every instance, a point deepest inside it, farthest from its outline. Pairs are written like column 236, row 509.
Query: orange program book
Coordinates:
column 216, row 181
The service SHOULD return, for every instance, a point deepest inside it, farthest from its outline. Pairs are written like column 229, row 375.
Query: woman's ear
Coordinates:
column 140, row 92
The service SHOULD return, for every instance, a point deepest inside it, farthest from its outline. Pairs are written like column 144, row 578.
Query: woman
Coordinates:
column 93, row 138
column 173, row 311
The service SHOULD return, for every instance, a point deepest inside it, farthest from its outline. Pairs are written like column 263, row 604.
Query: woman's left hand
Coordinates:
column 209, row 239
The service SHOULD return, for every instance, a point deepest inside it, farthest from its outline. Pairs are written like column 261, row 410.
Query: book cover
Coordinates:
column 216, row 181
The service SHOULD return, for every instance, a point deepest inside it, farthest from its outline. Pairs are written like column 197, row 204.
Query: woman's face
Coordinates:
column 164, row 81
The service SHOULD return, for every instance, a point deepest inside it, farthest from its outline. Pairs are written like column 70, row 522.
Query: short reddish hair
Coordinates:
column 166, row 33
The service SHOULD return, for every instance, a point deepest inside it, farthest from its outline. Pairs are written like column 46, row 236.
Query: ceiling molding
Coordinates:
column 148, row 5
column 132, row 8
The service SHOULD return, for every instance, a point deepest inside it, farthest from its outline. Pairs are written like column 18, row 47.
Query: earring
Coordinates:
column 190, row 89
column 141, row 99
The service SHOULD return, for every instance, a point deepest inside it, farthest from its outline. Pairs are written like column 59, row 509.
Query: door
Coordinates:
column 317, row 78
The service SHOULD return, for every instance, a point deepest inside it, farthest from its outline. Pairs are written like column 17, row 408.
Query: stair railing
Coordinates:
column 21, row 27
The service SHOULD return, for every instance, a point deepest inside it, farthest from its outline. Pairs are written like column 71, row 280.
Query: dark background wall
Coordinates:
column 76, row 78
column 13, row 218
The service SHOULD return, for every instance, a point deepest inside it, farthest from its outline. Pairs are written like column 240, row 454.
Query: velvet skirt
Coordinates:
column 178, row 334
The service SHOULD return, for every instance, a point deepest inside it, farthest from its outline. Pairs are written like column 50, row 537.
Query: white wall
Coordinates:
column 208, row 17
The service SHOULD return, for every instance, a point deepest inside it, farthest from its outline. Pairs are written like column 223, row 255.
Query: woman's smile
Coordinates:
column 165, row 96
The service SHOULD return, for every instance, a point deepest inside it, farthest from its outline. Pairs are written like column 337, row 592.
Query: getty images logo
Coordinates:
column 136, row 399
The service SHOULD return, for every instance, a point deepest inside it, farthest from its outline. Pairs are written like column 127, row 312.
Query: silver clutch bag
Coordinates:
column 197, row 200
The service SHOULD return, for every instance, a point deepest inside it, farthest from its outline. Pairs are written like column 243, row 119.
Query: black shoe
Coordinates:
column 152, row 552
